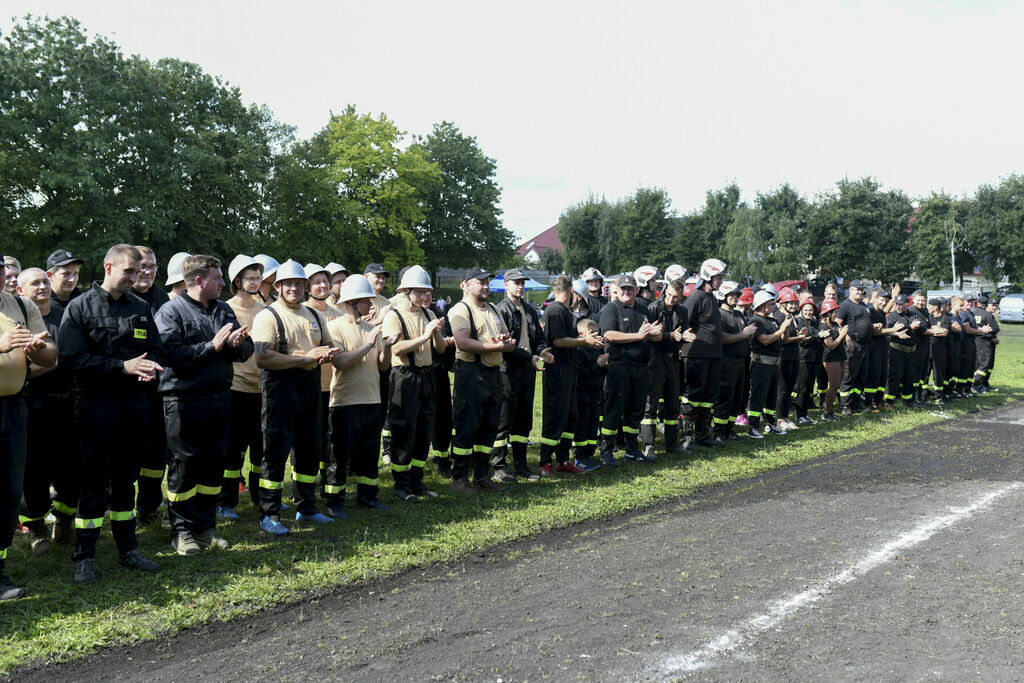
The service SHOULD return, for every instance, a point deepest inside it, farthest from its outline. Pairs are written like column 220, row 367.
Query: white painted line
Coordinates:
column 1019, row 423
column 780, row 610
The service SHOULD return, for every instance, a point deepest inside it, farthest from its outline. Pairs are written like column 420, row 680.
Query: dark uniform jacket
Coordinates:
column 154, row 296
column 57, row 381
column 98, row 334
column 510, row 314
column 192, row 366
column 705, row 319
column 670, row 320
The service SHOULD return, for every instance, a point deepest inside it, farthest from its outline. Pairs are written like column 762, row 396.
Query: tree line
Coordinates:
column 858, row 229
column 97, row 147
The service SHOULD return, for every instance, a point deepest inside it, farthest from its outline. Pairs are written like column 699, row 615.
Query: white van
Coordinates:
column 1011, row 308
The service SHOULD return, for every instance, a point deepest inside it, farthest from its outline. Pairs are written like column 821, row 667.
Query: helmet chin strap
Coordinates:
column 318, row 298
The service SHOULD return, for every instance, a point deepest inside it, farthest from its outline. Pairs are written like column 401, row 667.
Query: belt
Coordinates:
column 478, row 364
column 902, row 347
column 417, row 370
column 766, row 360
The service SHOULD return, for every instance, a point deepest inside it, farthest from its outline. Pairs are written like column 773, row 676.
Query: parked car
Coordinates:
column 1011, row 308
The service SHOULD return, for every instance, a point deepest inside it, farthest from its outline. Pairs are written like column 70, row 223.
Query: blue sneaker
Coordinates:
column 609, row 460
column 318, row 517
column 337, row 511
column 224, row 512
column 274, row 526
column 587, row 464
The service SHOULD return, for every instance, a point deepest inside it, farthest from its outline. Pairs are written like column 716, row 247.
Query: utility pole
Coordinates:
column 956, row 238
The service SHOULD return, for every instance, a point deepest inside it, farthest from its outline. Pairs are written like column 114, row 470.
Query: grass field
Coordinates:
column 59, row 620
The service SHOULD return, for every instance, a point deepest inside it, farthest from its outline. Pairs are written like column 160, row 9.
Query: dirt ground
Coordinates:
column 900, row 559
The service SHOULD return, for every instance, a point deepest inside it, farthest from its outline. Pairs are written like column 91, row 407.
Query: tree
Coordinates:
column 551, row 261
column 645, row 230
column 578, row 233
column 996, row 226
column 462, row 226
column 746, row 245
column 700, row 235
column 939, row 221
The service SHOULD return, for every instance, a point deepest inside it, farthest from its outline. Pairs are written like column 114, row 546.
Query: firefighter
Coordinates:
column 595, row 298
column 245, row 274
column 789, row 358
column 900, row 375
column 810, row 357
column 878, row 358
column 292, row 342
column 202, row 340
column 110, row 345
column 985, row 343
column 854, row 314
column 63, row 269
column 736, row 334
column 175, row 278
column 338, row 274
column 765, row 350
column 663, row 370
column 646, row 280
column 355, row 399
column 24, row 341
column 627, row 333
column 267, row 294
column 481, row 338
column 518, row 378
column 415, row 332
column 703, row 356
column 318, row 299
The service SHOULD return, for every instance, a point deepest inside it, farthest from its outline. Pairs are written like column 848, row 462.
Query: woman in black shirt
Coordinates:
column 835, row 354
column 765, row 348
column 811, row 352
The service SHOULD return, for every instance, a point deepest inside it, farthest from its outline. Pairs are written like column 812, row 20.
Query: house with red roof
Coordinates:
column 532, row 248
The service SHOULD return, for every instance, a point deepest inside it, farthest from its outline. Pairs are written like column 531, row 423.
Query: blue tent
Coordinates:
column 498, row 285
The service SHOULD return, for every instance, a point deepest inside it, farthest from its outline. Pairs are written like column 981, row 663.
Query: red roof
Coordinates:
column 546, row 240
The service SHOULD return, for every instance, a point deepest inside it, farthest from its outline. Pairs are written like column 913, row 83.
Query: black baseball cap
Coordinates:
column 61, row 257
column 477, row 274
column 625, row 280
column 882, row 293
column 902, row 299
column 937, row 301
column 375, row 269
column 514, row 274
column 983, row 300
column 859, row 283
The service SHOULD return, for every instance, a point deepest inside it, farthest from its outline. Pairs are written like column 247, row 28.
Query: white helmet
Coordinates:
column 335, row 268
column 238, row 264
column 711, row 268
column 673, row 273
column 580, row 287
column 415, row 277
column 290, row 270
column 174, row 274
column 356, row 287
column 312, row 269
column 644, row 275
column 762, row 297
column 270, row 265
column 769, row 287
column 591, row 274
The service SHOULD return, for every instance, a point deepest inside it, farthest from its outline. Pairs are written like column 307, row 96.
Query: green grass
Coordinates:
column 60, row 621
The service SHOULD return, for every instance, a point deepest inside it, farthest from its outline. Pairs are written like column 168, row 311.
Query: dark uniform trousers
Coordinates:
column 855, row 372
column 986, row 356
column 625, row 393
column 764, row 382
column 878, row 362
column 560, row 412
column 519, row 386
column 938, row 380
column 291, row 420
column 325, row 438
column 805, row 377
column 245, row 434
column 900, row 378
column 441, row 441
column 729, row 401
column 197, row 445
column 109, row 433
column 922, row 367
column 662, row 394
column 50, row 460
column 967, row 360
column 355, row 447
column 588, row 418
column 952, row 366
column 477, row 410
column 789, row 370
column 703, row 377
column 13, row 417
column 153, row 457
column 411, row 423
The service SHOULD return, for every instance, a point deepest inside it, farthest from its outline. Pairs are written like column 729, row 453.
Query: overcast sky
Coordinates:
column 599, row 97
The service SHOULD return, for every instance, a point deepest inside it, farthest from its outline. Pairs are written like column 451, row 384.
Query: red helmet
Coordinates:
column 805, row 300
column 688, row 289
column 829, row 305
column 786, row 295
column 746, row 297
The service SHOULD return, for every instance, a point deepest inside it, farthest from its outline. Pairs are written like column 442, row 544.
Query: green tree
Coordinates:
column 996, row 229
column 578, row 233
column 701, row 235
column 940, row 220
column 747, row 239
column 462, row 226
column 646, row 230
column 551, row 261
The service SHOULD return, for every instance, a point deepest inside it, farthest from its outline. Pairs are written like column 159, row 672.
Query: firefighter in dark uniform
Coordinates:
column 443, row 363
column 202, row 340
column 153, row 457
column 51, row 459
column 985, row 344
column 736, row 334
column 110, row 345
column 900, row 375
column 518, row 378
column 63, row 268
column 24, row 341
column 480, row 340
column 878, row 358
column 854, row 314
column 940, row 325
column 922, row 363
column 627, row 333
column 663, row 370
column 595, row 297
column 765, row 347
column 703, row 356
column 789, row 358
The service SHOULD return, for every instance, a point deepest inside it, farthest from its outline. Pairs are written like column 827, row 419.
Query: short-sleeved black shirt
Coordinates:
column 670, row 319
column 559, row 322
column 857, row 317
column 704, row 317
column 733, row 322
column 810, row 348
column 765, row 325
column 905, row 318
column 618, row 317
column 838, row 353
column 789, row 351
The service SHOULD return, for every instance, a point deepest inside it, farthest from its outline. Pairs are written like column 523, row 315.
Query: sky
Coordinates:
column 589, row 97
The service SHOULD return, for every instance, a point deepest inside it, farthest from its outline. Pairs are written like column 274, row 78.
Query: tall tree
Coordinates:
column 462, row 224
column 746, row 244
column 700, row 235
column 645, row 230
column 940, row 220
column 578, row 233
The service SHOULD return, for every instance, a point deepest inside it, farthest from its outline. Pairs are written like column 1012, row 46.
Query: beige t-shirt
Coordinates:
column 383, row 304
column 488, row 324
column 302, row 331
column 327, row 371
column 247, row 375
column 359, row 384
column 13, row 364
column 415, row 323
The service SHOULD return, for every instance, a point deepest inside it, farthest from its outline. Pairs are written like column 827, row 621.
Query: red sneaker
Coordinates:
column 242, row 489
column 569, row 467
column 22, row 529
column 546, row 470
